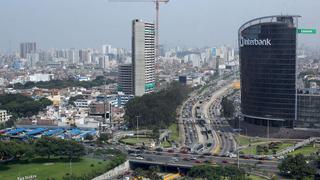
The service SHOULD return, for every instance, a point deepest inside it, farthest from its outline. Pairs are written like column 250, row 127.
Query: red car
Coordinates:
column 225, row 162
column 170, row 151
column 197, row 161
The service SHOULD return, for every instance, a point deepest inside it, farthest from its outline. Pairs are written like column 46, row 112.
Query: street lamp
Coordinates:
column 268, row 129
column 238, row 163
column 137, row 128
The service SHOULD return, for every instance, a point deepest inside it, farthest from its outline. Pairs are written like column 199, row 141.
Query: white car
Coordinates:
column 139, row 158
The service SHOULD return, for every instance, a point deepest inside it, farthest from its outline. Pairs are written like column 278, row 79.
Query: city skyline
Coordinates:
column 94, row 23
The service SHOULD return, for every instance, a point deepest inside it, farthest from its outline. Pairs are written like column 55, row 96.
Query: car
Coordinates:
column 207, row 161
column 193, row 158
column 225, row 162
column 175, row 159
column 170, row 151
column 259, row 162
column 159, row 149
column 139, row 157
column 197, row 161
column 186, row 159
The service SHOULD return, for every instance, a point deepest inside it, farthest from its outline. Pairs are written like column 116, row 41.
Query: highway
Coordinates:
column 222, row 136
column 201, row 131
column 204, row 132
column 189, row 160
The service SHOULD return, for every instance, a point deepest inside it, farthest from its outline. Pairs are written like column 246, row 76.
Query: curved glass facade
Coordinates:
column 268, row 71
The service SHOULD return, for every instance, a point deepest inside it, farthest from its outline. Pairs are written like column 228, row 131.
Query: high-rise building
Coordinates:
column 125, row 79
column 143, row 57
column 27, row 48
column 106, row 49
column 85, row 56
column 104, row 62
column 73, row 57
column 32, row 59
column 268, row 70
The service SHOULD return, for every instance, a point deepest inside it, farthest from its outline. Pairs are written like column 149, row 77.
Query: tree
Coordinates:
column 155, row 133
column 259, row 149
column 74, row 98
column 296, row 167
column 17, row 150
column 89, row 137
column 73, row 149
column 216, row 173
column 46, row 146
column 156, row 110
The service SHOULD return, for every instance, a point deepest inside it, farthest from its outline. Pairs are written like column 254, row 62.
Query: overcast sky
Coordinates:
column 91, row 23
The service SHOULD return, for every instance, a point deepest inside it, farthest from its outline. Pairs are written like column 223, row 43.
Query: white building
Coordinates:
column 82, row 103
column 143, row 57
column 4, row 116
column 40, row 77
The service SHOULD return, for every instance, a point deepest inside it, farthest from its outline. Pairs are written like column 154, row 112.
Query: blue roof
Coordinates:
column 75, row 132
column 36, row 131
column 88, row 133
column 16, row 131
column 53, row 132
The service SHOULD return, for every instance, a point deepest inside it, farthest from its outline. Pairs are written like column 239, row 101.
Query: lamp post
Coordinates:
column 137, row 128
column 238, row 163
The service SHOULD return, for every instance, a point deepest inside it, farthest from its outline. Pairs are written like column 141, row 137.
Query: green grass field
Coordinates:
column 253, row 177
column 307, row 150
column 252, row 149
column 166, row 144
column 134, row 140
column 245, row 140
column 174, row 136
column 53, row 169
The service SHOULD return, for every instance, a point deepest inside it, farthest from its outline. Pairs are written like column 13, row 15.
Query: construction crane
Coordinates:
column 157, row 2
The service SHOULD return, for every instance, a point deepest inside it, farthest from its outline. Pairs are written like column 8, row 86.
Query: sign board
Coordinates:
column 307, row 31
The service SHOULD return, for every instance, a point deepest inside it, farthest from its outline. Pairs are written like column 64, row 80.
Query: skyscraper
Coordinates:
column 85, row 56
column 125, row 82
column 143, row 57
column 268, row 70
column 27, row 48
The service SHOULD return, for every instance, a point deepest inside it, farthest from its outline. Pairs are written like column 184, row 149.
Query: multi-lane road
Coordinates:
column 203, row 131
column 165, row 158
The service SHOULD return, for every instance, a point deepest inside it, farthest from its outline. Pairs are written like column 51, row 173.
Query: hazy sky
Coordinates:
column 91, row 23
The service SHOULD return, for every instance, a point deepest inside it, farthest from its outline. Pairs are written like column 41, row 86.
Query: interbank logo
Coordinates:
column 254, row 42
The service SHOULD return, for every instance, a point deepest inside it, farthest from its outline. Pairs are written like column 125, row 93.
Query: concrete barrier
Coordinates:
column 121, row 169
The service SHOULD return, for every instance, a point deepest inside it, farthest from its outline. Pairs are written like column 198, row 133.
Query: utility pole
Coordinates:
column 238, row 163
column 70, row 166
column 268, row 130
column 137, row 128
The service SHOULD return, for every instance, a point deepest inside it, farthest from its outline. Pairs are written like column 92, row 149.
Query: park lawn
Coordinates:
column 253, row 177
column 174, row 136
column 245, row 140
column 166, row 144
column 306, row 150
column 52, row 169
column 134, row 140
column 252, row 149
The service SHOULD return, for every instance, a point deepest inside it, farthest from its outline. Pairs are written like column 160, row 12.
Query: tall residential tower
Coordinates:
column 27, row 48
column 143, row 57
